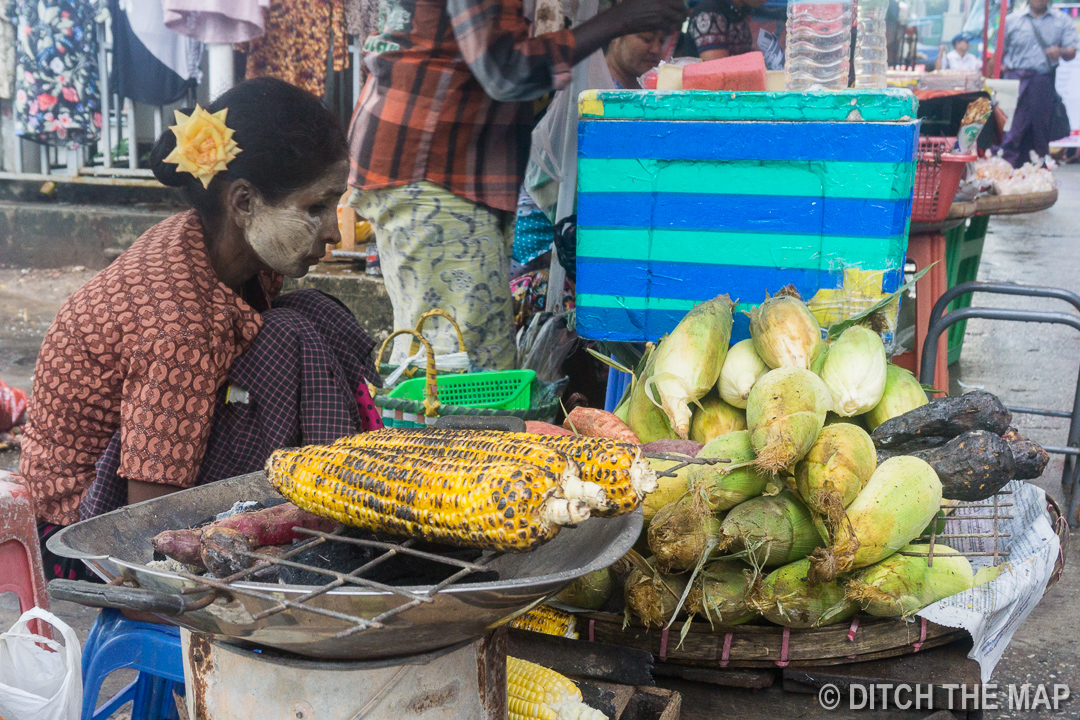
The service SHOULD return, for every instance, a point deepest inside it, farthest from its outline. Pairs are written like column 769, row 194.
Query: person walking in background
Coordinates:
column 440, row 139
column 1035, row 40
column 958, row 58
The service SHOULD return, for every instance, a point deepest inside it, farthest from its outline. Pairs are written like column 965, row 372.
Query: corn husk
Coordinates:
column 683, row 532
column 669, row 489
column 839, row 464
column 719, row 593
column 770, row 530
column 787, row 598
column 651, row 596
column 902, row 394
column 726, row 490
column 854, row 371
column 785, row 413
column 900, row 499
column 687, row 362
column 819, row 361
column 741, row 370
column 902, row 584
column 647, row 421
column 591, row 591
column 785, row 333
column 714, row 418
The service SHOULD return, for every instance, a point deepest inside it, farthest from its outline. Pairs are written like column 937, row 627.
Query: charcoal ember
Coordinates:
column 945, row 417
column 1029, row 456
column 222, row 551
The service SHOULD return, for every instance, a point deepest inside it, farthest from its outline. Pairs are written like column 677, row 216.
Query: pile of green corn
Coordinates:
column 796, row 522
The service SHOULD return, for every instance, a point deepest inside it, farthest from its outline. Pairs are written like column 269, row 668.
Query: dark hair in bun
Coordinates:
column 287, row 137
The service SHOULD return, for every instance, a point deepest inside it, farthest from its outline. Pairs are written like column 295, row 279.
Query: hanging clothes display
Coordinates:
column 57, row 99
column 362, row 18
column 7, row 55
column 300, row 36
column 217, row 21
column 151, row 63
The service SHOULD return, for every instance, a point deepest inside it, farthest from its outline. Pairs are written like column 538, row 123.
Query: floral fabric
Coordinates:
column 720, row 25
column 57, row 99
column 438, row 250
column 300, row 36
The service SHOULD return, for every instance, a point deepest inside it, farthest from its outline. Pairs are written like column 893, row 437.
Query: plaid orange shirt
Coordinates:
column 448, row 98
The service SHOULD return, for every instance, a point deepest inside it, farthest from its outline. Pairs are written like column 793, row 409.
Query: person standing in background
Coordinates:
column 1035, row 40
column 720, row 28
column 440, row 139
column 631, row 56
column 958, row 58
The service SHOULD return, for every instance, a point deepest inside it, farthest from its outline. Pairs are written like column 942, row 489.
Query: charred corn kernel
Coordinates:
column 487, row 446
column 549, row 621
column 508, row 506
column 617, row 467
column 525, row 710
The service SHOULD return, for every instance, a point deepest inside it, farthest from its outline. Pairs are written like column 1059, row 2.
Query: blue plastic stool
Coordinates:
column 115, row 643
column 617, row 382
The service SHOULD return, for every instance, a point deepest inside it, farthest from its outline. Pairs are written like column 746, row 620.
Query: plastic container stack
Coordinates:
column 818, row 45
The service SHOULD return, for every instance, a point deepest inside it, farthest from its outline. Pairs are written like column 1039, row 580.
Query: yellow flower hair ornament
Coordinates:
column 204, row 144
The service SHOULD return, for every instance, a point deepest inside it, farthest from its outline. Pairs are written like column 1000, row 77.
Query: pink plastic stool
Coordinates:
column 21, row 571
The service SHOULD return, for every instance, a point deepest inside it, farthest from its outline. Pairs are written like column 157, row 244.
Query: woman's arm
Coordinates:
column 139, row 491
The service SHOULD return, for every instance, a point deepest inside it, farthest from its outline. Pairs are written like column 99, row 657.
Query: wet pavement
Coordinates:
column 1030, row 365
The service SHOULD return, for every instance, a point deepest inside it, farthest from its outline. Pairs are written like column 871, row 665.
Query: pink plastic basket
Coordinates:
column 937, row 175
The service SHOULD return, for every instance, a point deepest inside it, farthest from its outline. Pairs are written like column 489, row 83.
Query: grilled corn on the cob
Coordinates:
column 487, row 446
column 549, row 621
column 533, row 691
column 508, row 506
column 617, row 467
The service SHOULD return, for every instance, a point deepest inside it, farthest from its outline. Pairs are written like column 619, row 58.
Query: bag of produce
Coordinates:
column 900, row 499
column 785, row 597
column 785, row 412
column 725, row 490
column 904, row 583
column 770, row 530
column 741, row 370
column 719, row 593
column 714, row 418
column 784, row 331
column 839, row 464
column 902, row 393
column 854, row 371
column 687, row 362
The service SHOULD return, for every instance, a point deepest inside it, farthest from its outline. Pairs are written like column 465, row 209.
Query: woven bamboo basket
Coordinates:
column 766, row 646
column 1016, row 204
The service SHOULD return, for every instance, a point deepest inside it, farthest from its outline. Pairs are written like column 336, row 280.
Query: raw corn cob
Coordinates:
column 533, row 691
column 486, row 446
column 509, row 506
column 549, row 621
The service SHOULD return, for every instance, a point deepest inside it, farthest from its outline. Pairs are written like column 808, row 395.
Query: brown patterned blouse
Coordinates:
column 143, row 347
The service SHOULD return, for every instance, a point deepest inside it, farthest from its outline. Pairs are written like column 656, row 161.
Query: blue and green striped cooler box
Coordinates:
column 684, row 195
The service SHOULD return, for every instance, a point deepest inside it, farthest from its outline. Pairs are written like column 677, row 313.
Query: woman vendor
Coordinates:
column 180, row 364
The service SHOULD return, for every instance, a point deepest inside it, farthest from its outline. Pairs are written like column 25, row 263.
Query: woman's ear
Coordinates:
column 241, row 197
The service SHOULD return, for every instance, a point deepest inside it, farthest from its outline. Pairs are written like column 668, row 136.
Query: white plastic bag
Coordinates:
column 37, row 683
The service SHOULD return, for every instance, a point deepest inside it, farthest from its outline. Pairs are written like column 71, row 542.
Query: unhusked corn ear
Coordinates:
column 617, row 467
column 548, row 620
column 506, row 506
column 487, row 446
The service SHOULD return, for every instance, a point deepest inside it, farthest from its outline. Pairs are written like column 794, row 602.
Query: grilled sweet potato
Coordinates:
column 599, row 423
column 971, row 467
column 945, row 417
column 1029, row 456
column 222, row 551
column 912, row 447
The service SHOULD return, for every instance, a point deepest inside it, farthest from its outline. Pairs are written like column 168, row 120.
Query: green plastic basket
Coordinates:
column 963, row 253
column 501, row 389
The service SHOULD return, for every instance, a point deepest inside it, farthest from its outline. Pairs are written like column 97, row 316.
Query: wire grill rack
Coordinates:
column 246, row 583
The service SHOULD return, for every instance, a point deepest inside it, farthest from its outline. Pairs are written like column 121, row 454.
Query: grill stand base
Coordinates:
column 226, row 682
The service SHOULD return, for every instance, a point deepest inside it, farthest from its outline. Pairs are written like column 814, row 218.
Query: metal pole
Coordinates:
column 106, row 121
column 133, row 138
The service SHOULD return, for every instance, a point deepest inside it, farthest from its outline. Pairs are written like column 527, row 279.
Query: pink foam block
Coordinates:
column 741, row 72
